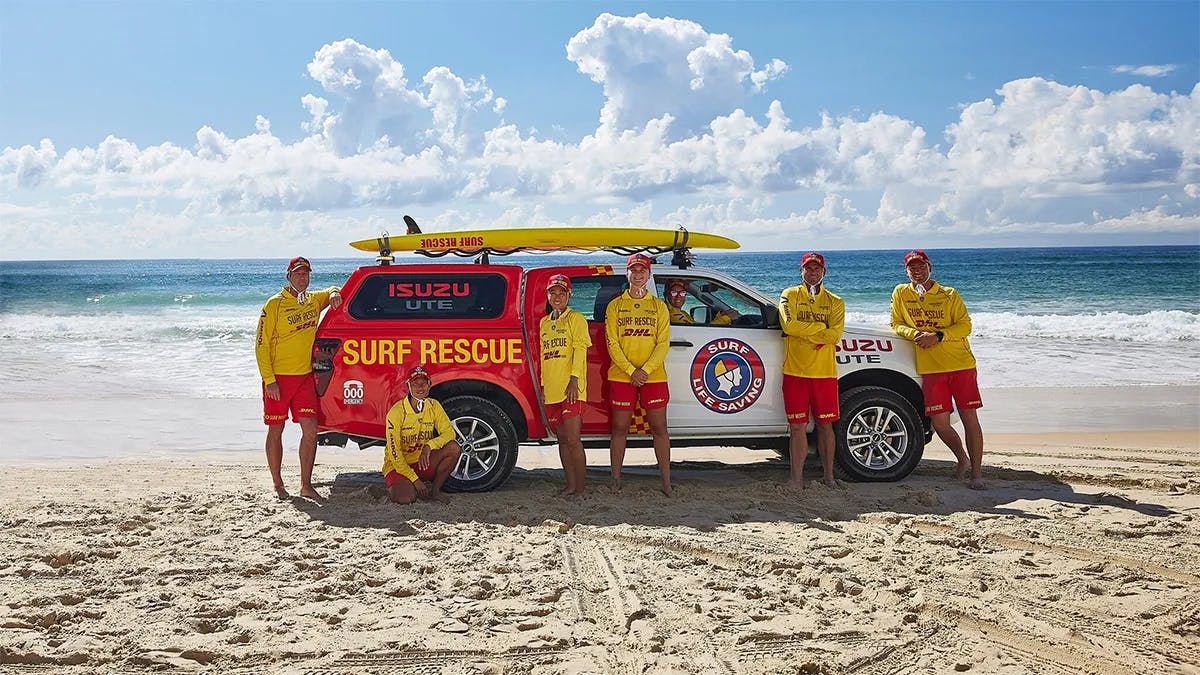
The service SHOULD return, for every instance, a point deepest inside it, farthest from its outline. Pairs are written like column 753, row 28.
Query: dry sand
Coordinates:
column 1083, row 556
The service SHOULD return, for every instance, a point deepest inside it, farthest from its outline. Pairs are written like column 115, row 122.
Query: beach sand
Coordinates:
column 1083, row 555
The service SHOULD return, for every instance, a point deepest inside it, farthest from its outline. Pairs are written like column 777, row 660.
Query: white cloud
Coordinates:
column 674, row 145
column 1148, row 71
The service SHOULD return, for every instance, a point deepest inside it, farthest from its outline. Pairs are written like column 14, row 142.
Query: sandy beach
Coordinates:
column 1082, row 556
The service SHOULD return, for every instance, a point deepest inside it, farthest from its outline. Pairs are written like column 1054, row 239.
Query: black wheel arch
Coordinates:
column 889, row 379
column 490, row 392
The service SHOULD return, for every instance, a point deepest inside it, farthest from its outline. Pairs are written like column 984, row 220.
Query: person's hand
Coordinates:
column 423, row 462
column 273, row 391
column 421, row 488
column 335, row 299
column 572, row 390
column 638, row 378
column 731, row 313
column 926, row 340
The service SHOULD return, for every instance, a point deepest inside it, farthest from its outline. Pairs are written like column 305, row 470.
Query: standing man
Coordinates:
column 286, row 329
column 637, row 328
column 421, row 444
column 565, row 342
column 813, row 320
column 935, row 318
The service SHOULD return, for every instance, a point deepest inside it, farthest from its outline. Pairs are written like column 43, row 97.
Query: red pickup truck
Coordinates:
column 475, row 327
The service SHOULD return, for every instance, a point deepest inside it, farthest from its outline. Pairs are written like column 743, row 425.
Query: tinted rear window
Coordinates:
column 430, row 296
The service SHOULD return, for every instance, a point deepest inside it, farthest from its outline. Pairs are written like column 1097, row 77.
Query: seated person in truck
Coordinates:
column 677, row 295
column 565, row 343
column 420, row 444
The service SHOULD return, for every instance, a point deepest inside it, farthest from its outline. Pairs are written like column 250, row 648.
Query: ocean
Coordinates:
column 185, row 328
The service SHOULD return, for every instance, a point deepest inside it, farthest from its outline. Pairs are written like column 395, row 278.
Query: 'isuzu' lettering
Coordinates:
column 446, row 350
column 440, row 289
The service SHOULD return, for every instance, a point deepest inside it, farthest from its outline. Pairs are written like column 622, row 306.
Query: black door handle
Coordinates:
column 680, row 343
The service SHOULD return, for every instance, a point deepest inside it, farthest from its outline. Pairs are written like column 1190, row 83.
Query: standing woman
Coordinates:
column 565, row 342
column 637, row 328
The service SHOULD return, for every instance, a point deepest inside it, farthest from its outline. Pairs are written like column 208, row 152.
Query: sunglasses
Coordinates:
column 679, row 292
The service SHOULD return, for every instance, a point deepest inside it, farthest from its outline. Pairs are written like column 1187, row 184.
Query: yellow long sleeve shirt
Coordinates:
column 286, row 330
column 638, row 333
column 408, row 430
column 940, row 309
column 682, row 318
column 565, row 343
column 812, row 326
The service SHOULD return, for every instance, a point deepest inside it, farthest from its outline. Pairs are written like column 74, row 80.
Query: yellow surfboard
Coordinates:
column 618, row 239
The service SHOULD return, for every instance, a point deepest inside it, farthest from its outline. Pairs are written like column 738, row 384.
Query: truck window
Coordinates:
column 430, row 296
column 590, row 295
column 706, row 299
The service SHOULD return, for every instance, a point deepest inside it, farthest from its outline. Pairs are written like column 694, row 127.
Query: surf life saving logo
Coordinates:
column 727, row 376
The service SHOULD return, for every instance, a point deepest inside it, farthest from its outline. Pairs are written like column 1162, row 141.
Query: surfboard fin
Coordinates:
column 413, row 228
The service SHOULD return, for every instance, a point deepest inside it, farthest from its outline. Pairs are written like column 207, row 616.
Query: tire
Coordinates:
column 880, row 436
column 489, row 444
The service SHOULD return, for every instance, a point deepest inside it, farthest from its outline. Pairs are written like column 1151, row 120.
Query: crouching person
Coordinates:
column 420, row 444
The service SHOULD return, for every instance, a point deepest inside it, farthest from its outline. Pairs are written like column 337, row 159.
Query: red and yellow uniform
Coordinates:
column 408, row 430
column 940, row 309
column 286, row 330
column 638, row 333
column 565, row 342
column 812, row 326
column 682, row 318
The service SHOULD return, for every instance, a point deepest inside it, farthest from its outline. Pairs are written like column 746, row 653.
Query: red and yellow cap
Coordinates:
column 559, row 281
column 812, row 256
column 419, row 371
column 637, row 259
column 297, row 263
column 916, row 254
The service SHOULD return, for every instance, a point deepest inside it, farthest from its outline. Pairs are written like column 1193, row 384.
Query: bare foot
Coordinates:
column 962, row 470
column 666, row 490
column 829, row 482
column 615, row 485
column 976, row 484
column 565, row 492
column 311, row 493
column 281, row 492
column 797, row 484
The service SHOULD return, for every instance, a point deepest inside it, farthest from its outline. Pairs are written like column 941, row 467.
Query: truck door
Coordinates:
column 725, row 362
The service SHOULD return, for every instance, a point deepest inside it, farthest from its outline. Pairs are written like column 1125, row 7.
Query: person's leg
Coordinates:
column 616, row 445
column 402, row 492
column 657, row 417
column 444, row 459
column 826, row 448
column 974, row 434
column 275, row 458
column 946, row 432
column 797, row 453
column 571, row 451
column 308, row 457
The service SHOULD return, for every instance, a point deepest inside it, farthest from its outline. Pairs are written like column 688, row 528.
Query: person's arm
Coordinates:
column 612, row 336
column 580, row 343
column 960, row 320
column 441, row 422
column 263, row 352
column 393, row 453
column 791, row 324
column 662, row 340
column 836, row 323
column 328, row 297
column 900, row 320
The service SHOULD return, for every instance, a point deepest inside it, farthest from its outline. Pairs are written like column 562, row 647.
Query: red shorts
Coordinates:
column 297, row 393
column 624, row 395
column 424, row 474
column 939, row 388
column 819, row 394
column 557, row 412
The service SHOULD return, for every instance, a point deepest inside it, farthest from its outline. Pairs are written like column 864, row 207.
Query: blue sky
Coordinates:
column 179, row 128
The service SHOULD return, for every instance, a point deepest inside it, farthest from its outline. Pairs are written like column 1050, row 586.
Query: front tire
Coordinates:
column 489, row 444
column 879, row 435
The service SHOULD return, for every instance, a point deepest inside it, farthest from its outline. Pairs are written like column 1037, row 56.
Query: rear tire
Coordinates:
column 880, row 436
column 489, row 444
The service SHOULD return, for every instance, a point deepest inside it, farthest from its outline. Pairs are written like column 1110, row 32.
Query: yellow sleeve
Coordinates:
column 900, row 320
column 441, row 422
column 393, row 451
column 662, row 339
column 830, row 334
column 580, row 343
column 322, row 296
column 613, row 338
column 788, row 321
column 960, row 320
column 678, row 316
column 722, row 320
column 266, row 337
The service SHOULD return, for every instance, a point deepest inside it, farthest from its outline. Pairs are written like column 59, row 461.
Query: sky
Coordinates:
column 270, row 129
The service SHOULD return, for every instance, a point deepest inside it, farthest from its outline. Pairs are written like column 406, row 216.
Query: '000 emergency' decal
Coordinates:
column 727, row 376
